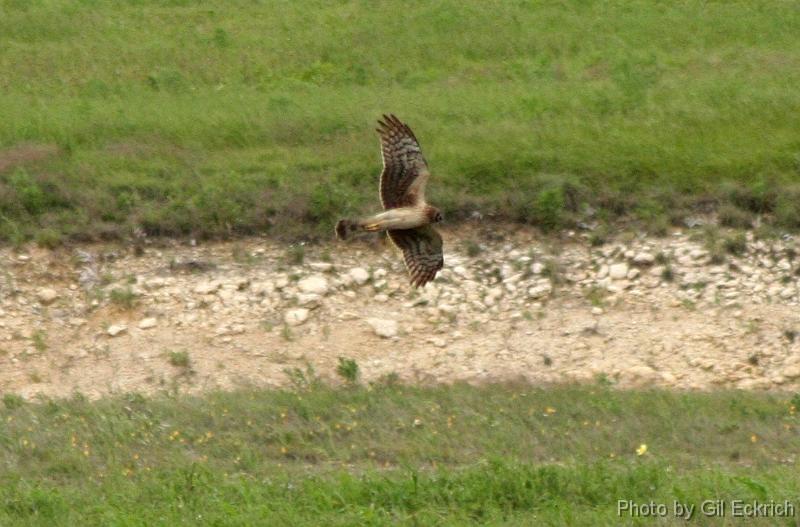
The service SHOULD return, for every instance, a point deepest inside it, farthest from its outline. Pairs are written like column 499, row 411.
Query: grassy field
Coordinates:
column 504, row 454
column 210, row 118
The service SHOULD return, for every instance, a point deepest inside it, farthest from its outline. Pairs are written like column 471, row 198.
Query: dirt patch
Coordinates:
column 99, row 319
column 25, row 154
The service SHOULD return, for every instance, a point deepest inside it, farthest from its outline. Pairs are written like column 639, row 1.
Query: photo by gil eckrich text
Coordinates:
column 716, row 508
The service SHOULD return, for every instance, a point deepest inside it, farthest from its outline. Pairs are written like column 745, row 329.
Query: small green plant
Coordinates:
column 348, row 370
column 472, row 248
column 49, row 238
column 295, row 255
column 123, row 298
column 39, row 339
column 303, row 380
column 596, row 296
column 553, row 271
column 667, row 274
column 12, row 401
column 388, row 380
column 735, row 244
column 241, row 255
column 732, row 216
column 179, row 359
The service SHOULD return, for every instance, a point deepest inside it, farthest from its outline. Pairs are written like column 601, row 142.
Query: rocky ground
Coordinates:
column 697, row 309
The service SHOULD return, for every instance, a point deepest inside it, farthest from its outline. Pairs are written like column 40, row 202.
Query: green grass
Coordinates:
column 233, row 117
column 383, row 454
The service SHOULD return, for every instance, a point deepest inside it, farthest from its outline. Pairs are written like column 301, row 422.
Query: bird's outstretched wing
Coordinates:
column 405, row 171
column 422, row 252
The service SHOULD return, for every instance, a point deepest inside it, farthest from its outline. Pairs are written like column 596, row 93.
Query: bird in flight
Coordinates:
column 407, row 217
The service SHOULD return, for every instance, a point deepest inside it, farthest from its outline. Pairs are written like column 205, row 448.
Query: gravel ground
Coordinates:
column 698, row 309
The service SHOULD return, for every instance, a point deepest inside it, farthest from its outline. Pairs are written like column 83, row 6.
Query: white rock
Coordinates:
column 383, row 328
column 206, row 288
column 644, row 258
column 263, row 288
column 155, row 283
column 537, row 268
column 618, row 271
column 321, row 266
column 46, row 295
column 314, row 284
column 308, row 299
column 642, row 375
column 791, row 372
column 295, row 317
column 359, row 275
column 632, row 274
column 540, row 291
column 147, row 323
column 602, row 272
column 116, row 329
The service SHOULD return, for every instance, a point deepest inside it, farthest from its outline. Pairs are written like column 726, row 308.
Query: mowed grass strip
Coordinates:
column 238, row 117
column 448, row 455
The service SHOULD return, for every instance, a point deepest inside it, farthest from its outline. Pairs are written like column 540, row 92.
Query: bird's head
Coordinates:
column 434, row 215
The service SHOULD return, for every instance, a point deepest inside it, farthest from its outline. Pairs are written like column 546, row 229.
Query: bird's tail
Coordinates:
column 345, row 227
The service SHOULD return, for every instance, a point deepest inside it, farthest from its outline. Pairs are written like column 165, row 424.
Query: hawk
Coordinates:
column 407, row 217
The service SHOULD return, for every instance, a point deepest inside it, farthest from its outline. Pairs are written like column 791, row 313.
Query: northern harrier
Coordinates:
column 407, row 218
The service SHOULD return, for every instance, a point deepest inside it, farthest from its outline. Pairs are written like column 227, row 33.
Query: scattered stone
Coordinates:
column 383, row 328
column 295, row 317
column 323, row 267
column 791, row 372
column 540, row 291
column 206, row 288
column 116, row 329
column 310, row 300
column 155, row 283
column 642, row 375
column 359, row 275
column 314, row 284
column 147, row 323
column 644, row 259
column 46, row 296
column 618, row 271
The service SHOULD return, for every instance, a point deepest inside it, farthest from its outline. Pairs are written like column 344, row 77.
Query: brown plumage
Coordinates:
column 407, row 217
